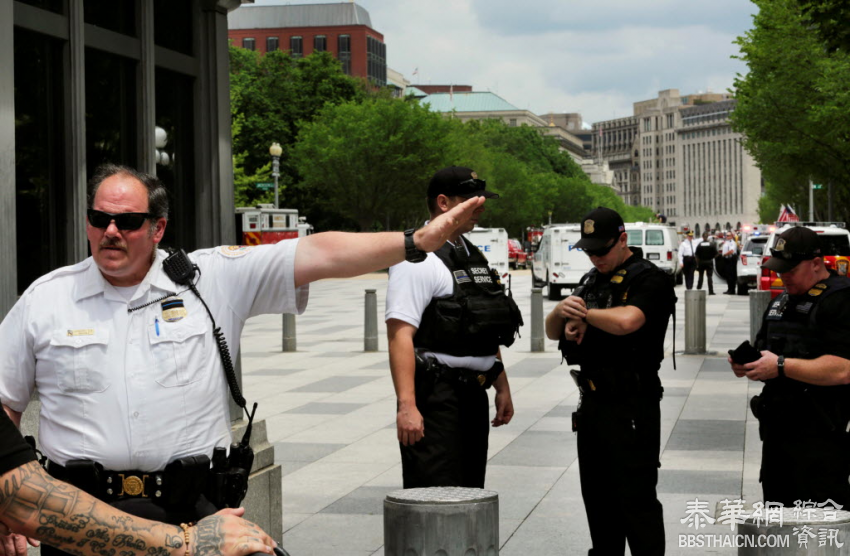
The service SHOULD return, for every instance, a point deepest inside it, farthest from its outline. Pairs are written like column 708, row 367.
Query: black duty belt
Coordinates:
column 611, row 383
column 439, row 371
column 182, row 482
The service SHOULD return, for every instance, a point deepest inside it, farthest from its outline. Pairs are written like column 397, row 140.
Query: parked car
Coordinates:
column 517, row 257
column 749, row 263
column 835, row 246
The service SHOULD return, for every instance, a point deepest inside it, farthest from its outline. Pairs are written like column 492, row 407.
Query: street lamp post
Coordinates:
column 275, row 150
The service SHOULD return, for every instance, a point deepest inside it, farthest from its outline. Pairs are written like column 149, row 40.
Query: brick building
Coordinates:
column 343, row 29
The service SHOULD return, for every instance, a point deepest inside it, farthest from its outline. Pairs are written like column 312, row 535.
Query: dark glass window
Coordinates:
column 344, row 53
column 272, row 44
column 249, row 44
column 296, row 47
column 111, row 110
column 39, row 156
column 175, row 162
column 57, row 6
column 376, row 61
column 117, row 16
column 173, row 24
column 320, row 43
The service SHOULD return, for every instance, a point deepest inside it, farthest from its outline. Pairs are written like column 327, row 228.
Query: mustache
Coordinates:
column 113, row 242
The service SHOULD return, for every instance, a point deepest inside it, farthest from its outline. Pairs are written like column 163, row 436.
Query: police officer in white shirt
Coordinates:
column 687, row 250
column 132, row 388
column 730, row 259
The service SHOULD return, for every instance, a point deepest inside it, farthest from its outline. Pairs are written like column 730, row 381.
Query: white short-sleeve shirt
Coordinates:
column 410, row 290
column 730, row 248
column 138, row 389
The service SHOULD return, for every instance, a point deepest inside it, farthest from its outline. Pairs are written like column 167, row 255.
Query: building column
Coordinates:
column 75, row 134
column 8, row 247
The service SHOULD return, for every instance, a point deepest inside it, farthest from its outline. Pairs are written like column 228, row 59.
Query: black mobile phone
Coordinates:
column 745, row 353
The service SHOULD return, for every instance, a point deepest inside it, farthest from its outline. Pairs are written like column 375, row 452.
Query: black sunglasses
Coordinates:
column 470, row 185
column 602, row 251
column 123, row 221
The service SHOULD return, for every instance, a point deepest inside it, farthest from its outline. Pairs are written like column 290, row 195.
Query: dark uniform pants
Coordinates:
column 706, row 268
column 689, row 264
column 453, row 451
column 731, row 268
column 618, row 445
column 805, row 467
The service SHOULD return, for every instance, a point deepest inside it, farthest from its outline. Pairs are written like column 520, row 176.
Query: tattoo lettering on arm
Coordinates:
column 208, row 537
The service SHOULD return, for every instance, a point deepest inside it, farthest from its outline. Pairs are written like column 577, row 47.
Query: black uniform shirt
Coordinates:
column 651, row 291
column 14, row 451
column 706, row 250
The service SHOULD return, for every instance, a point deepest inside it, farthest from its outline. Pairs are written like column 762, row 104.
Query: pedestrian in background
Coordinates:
column 730, row 259
column 687, row 250
column 706, row 252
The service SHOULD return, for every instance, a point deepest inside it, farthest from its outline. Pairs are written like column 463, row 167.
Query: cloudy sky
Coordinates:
column 594, row 57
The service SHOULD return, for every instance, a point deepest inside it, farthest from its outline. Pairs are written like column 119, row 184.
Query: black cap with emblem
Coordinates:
column 458, row 181
column 793, row 247
column 599, row 227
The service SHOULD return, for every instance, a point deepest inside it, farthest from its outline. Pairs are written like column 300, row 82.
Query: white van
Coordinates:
column 558, row 263
column 493, row 242
column 659, row 243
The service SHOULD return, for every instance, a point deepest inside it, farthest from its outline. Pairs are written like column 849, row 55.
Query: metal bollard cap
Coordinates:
column 442, row 495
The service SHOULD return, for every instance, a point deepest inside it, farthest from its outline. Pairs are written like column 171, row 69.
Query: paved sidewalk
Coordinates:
column 330, row 411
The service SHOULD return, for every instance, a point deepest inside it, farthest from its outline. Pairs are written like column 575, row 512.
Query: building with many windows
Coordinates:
column 343, row 29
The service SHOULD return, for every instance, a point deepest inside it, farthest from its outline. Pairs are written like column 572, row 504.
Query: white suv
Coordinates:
column 749, row 263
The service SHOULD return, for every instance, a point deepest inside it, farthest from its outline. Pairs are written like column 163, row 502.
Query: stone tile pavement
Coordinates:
column 330, row 412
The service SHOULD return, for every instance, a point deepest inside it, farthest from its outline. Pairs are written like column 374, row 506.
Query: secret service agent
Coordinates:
column 446, row 318
column 804, row 407
column 132, row 389
column 613, row 326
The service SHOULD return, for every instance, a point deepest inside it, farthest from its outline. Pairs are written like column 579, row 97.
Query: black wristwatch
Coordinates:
column 780, row 365
column 412, row 254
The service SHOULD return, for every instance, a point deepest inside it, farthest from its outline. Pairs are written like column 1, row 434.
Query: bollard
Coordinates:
column 441, row 520
column 536, row 319
column 759, row 300
column 370, row 323
column 695, row 322
column 811, row 531
column 288, row 332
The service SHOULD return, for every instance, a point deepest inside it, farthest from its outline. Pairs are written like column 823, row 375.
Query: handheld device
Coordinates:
column 744, row 353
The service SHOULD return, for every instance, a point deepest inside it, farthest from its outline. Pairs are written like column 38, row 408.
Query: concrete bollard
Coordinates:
column 694, row 322
column 759, row 300
column 370, row 322
column 450, row 521
column 810, row 532
column 288, row 332
column 537, row 319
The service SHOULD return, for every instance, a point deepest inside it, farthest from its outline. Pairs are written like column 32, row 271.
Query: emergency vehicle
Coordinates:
column 263, row 224
column 835, row 246
column 493, row 243
column 558, row 263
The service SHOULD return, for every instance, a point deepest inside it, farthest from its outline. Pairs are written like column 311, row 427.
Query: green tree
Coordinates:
column 371, row 160
column 793, row 108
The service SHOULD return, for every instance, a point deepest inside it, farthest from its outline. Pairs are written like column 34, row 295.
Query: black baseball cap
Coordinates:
column 792, row 247
column 457, row 181
column 599, row 227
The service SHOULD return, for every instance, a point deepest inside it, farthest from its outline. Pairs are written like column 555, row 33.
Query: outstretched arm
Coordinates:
column 36, row 505
column 341, row 255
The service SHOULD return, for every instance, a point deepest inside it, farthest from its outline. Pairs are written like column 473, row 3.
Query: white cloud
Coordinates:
column 595, row 58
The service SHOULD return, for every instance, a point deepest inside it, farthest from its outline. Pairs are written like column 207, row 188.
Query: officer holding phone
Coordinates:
column 803, row 357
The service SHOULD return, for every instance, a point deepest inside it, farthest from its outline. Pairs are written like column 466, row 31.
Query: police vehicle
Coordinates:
column 558, row 263
column 749, row 262
column 659, row 243
column 493, row 243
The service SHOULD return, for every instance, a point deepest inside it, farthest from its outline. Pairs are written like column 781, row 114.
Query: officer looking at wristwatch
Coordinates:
column 804, row 407
column 613, row 326
column 447, row 314
column 126, row 359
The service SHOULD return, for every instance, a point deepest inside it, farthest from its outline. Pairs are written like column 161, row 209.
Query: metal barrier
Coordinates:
column 288, row 332
column 810, row 531
column 759, row 300
column 441, row 520
column 537, row 319
column 370, row 323
column 694, row 322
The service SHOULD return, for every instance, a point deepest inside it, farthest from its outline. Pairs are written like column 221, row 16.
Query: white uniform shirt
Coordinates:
column 410, row 290
column 129, row 389
column 687, row 248
column 730, row 248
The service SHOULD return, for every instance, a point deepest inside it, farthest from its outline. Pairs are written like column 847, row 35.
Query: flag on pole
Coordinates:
column 416, row 71
column 787, row 214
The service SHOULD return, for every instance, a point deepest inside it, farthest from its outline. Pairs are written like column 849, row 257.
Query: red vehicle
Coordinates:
column 517, row 257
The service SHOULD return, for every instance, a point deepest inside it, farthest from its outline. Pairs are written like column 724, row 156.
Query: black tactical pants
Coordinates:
column 453, row 451
column 708, row 269
column 805, row 466
column 689, row 265
column 618, row 446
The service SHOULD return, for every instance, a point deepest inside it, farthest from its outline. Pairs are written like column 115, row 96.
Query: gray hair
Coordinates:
column 157, row 194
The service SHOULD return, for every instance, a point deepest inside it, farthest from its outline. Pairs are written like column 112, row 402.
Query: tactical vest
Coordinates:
column 790, row 329
column 614, row 293
column 477, row 318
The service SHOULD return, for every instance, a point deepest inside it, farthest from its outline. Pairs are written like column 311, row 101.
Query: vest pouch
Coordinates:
column 489, row 320
column 449, row 313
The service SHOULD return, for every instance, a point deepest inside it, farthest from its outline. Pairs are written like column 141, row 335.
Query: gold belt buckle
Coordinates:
column 132, row 485
column 481, row 380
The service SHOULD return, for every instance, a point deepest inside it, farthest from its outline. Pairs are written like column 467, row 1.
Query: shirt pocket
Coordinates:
column 179, row 351
column 81, row 361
